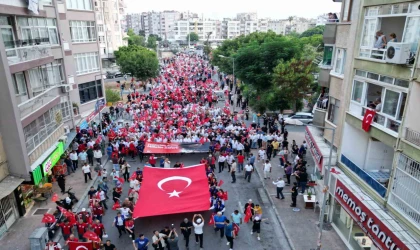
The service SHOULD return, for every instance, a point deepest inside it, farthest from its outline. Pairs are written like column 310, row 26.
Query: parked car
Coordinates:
column 119, row 74
column 303, row 117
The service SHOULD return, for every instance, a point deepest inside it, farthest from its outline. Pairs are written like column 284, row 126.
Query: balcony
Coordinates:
column 28, row 53
column 28, row 107
column 412, row 136
column 320, row 111
column 324, row 76
column 373, row 53
column 43, row 140
column 330, row 33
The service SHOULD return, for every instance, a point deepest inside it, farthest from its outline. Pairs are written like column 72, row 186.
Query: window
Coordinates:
column 328, row 55
column 86, row 63
column 45, row 76
column 88, row 92
column 102, row 39
column 65, row 110
column 412, row 32
column 79, row 4
column 100, row 28
column 82, row 31
column 347, row 10
column 357, row 91
column 369, row 32
column 116, row 27
column 340, row 60
column 99, row 16
column 390, row 102
column 19, row 83
column 36, row 31
column 333, row 109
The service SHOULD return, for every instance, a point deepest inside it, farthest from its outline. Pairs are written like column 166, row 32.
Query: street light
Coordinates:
column 321, row 217
column 233, row 60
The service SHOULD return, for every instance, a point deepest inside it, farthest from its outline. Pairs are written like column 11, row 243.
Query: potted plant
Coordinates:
column 309, row 195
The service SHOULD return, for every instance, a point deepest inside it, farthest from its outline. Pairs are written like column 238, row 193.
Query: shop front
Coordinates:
column 363, row 224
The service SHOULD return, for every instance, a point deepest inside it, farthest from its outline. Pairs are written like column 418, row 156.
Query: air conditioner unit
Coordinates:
column 66, row 129
column 66, row 88
column 398, row 53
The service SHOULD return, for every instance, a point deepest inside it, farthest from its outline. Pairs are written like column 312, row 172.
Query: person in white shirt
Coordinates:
column 261, row 155
column 248, row 171
column 90, row 144
column 125, row 211
column 86, row 172
column 159, row 237
column 229, row 159
column 115, row 175
column 97, row 153
column 280, row 185
column 198, row 223
column 167, row 163
column 267, row 169
column 102, row 198
column 51, row 245
column 221, row 161
column 74, row 158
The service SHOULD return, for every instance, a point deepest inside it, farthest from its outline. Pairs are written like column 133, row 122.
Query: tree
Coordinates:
column 193, row 37
column 151, row 42
column 141, row 62
column 156, row 36
column 317, row 30
column 134, row 39
column 112, row 95
column 142, row 33
column 293, row 79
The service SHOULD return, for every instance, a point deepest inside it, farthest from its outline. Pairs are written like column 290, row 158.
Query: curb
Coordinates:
column 286, row 234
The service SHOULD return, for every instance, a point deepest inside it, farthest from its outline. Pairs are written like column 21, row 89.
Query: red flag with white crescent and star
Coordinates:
column 248, row 214
column 73, row 245
column 179, row 190
column 368, row 119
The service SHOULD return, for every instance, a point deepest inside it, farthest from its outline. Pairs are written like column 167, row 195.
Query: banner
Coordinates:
column 80, row 245
column 172, row 191
column 381, row 235
column 175, row 148
column 368, row 119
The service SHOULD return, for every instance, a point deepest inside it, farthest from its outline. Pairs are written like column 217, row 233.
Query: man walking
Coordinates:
column 233, row 171
column 198, row 222
column 280, row 185
column 229, row 233
column 236, row 218
column 267, row 169
column 186, row 231
column 221, row 161
column 119, row 223
column 86, row 172
column 141, row 243
column 294, row 194
column 219, row 223
column 241, row 159
column 248, row 171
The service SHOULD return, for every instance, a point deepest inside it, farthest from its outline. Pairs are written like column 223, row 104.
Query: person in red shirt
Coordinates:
column 129, row 226
column 66, row 229
column 81, row 228
column 98, row 228
column 152, row 160
column 241, row 159
column 98, row 211
column 71, row 239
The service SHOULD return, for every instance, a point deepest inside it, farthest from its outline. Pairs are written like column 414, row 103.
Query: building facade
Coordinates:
column 134, row 22
column 51, row 80
column 370, row 97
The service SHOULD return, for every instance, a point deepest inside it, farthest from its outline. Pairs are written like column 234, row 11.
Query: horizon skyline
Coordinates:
column 312, row 10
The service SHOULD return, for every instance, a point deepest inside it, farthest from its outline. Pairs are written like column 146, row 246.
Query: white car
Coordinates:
column 303, row 117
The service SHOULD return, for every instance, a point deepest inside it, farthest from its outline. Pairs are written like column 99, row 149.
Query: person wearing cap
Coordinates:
column 185, row 227
column 249, row 203
column 219, row 223
column 198, row 222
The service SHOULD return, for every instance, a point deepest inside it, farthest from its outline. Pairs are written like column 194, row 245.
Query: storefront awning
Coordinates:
column 8, row 185
column 319, row 149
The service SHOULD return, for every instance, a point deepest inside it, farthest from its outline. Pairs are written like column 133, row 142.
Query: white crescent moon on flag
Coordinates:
column 173, row 178
column 367, row 117
column 81, row 248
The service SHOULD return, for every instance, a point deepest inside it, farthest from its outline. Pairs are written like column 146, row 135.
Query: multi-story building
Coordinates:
column 152, row 23
column 109, row 15
column 210, row 29
column 278, row 26
column 168, row 23
column 371, row 96
column 49, row 64
column 247, row 16
column 134, row 22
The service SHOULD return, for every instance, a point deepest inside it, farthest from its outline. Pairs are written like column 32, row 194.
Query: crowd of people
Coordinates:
column 180, row 107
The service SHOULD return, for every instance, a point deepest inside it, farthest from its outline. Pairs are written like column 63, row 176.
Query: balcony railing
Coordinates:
column 29, row 53
column 412, row 136
column 373, row 53
column 28, row 107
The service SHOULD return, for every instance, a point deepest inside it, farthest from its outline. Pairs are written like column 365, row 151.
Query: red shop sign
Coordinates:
column 316, row 153
column 380, row 234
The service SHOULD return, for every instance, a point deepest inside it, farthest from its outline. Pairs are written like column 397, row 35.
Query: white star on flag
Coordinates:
column 174, row 193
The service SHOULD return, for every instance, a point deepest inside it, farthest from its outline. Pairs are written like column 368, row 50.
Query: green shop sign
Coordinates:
column 49, row 163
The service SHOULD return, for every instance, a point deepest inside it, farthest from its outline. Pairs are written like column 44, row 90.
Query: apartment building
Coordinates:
column 49, row 60
column 152, row 23
column 210, row 29
column 247, row 16
column 230, row 28
column 134, row 22
column 168, row 23
column 370, row 96
column 277, row 26
column 109, row 18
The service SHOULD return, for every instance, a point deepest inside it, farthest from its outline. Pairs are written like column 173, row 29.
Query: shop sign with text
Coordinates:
column 54, row 157
column 373, row 227
column 316, row 153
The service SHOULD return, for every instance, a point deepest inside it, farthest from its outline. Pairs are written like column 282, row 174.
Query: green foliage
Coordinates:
column 112, row 95
column 317, row 30
column 142, row 33
column 193, row 37
column 141, row 62
column 156, row 36
column 207, row 49
column 151, row 42
column 134, row 39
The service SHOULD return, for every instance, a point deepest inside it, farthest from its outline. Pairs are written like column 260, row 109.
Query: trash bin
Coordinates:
column 39, row 238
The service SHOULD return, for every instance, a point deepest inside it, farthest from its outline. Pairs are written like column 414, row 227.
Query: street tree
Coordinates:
column 141, row 62
column 317, row 30
column 193, row 37
column 151, row 42
column 134, row 39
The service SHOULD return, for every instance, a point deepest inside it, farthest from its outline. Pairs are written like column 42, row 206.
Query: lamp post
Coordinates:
column 97, row 99
column 233, row 61
column 325, row 189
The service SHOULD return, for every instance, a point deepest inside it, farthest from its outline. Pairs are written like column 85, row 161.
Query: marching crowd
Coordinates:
column 180, row 107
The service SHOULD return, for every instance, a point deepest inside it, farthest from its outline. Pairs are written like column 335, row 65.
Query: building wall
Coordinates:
column 4, row 171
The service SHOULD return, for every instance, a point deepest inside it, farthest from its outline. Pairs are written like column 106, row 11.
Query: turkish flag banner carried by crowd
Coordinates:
column 368, row 119
column 162, row 148
column 80, row 245
column 172, row 191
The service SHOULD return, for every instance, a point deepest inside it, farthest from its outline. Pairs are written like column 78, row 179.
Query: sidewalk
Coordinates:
column 301, row 227
column 17, row 237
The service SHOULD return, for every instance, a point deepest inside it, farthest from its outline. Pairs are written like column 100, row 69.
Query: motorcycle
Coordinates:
column 72, row 195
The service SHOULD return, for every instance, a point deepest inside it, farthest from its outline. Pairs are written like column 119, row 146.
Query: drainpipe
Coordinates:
column 401, row 132
column 57, row 14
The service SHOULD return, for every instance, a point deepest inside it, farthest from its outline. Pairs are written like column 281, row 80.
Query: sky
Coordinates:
column 218, row 9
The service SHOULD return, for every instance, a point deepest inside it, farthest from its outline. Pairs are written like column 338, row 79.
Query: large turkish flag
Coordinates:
column 172, row 191
column 80, row 245
column 367, row 119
